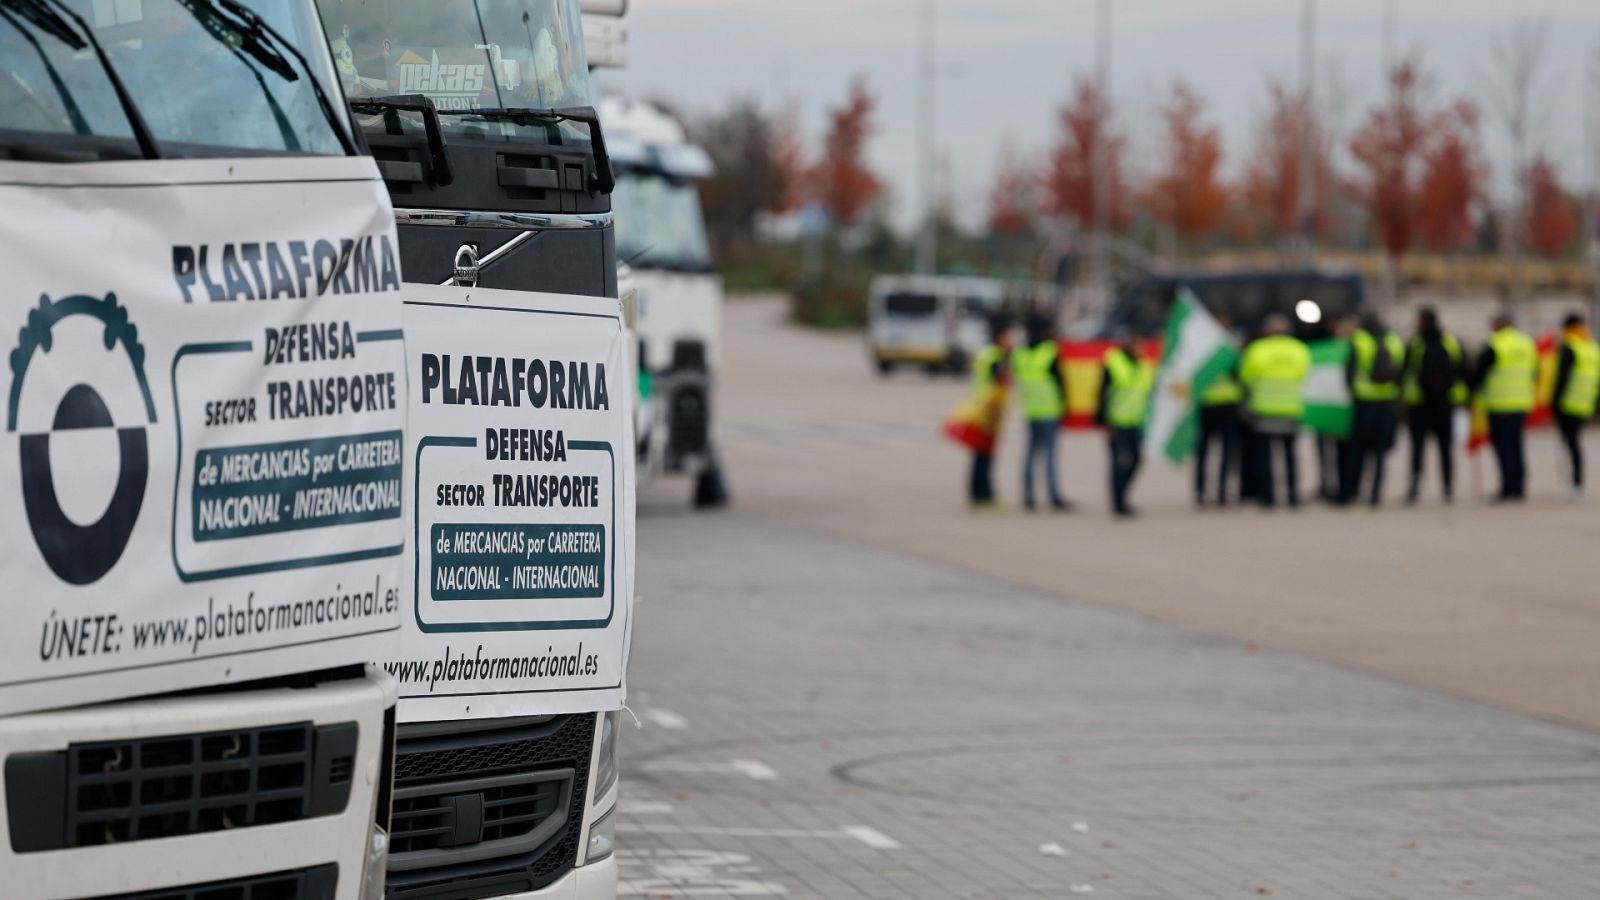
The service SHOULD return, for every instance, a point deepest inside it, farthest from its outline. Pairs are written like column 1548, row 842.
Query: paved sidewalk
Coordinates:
column 827, row 720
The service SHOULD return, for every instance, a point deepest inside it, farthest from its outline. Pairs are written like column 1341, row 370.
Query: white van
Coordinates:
column 935, row 321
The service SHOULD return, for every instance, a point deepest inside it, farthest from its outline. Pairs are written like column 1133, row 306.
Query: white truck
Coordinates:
column 661, row 238
column 517, row 580
column 205, row 415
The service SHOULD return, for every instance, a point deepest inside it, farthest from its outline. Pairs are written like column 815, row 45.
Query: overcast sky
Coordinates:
column 1008, row 65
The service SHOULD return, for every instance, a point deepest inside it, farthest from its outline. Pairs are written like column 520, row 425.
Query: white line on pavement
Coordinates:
column 753, row 769
column 646, row 808
column 872, row 837
column 667, row 719
column 749, row 768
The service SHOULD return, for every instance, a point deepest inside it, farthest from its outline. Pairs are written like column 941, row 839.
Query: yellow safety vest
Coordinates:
column 1273, row 372
column 1128, row 398
column 1364, row 347
column 1583, row 382
column 983, row 369
column 1223, row 391
column 1035, row 371
column 1413, row 385
column 1510, row 385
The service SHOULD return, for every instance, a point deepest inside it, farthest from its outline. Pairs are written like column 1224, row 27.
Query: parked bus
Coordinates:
column 204, row 410
column 1312, row 299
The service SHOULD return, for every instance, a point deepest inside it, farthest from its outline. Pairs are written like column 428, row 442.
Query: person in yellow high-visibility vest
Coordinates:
column 1577, row 391
column 1273, row 372
column 990, row 375
column 1434, row 387
column 1219, row 424
column 1377, row 357
column 1506, row 380
column 1041, row 384
column 1126, row 378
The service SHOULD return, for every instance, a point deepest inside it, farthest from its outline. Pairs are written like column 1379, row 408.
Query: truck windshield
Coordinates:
column 659, row 224
column 465, row 55
column 204, row 78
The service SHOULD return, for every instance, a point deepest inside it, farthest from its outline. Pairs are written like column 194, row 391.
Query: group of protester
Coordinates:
column 1255, row 412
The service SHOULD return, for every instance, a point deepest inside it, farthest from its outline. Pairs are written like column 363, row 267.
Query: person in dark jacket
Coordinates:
column 1435, row 386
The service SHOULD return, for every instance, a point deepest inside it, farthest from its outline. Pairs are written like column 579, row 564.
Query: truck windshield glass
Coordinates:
column 659, row 224
column 203, row 82
column 465, row 55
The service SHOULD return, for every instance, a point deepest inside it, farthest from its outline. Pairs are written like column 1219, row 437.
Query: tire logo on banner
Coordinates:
column 81, row 553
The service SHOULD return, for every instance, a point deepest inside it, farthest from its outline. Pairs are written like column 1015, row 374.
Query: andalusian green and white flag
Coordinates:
column 1327, row 394
column 1197, row 351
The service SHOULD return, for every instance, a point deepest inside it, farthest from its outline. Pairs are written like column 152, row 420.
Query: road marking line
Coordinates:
column 755, row 770
column 646, row 808
column 749, row 768
column 872, row 837
column 667, row 719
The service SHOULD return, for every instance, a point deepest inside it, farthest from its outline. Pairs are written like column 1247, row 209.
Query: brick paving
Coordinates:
column 824, row 719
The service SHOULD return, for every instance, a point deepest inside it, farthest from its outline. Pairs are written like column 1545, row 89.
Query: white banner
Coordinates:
column 204, row 424
column 520, row 505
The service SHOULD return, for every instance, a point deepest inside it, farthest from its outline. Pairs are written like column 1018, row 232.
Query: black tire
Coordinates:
column 885, row 367
column 710, row 490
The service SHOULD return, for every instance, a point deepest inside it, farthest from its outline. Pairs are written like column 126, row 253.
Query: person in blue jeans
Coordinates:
column 1041, row 383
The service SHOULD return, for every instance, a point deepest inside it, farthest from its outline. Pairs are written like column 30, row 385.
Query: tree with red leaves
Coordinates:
column 788, row 160
column 1188, row 193
column 1453, row 174
column 1012, row 195
column 1070, row 177
column 1551, row 223
column 1389, row 148
column 1271, row 192
column 840, row 179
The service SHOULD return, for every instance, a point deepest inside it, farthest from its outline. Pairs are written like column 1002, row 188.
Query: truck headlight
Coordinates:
column 602, row 838
column 605, row 772
column 377, row 865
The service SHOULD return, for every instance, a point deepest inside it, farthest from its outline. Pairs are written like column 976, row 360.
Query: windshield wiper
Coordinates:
column 80, row 125
column 443, row 175
column 39, row 13
column 604, row 181
column 254, row 34
column 245, row 47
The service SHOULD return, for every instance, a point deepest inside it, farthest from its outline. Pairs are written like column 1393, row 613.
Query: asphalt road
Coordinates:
column 849, row 686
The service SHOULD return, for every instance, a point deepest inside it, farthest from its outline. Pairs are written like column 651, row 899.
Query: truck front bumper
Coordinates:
column 595, row 881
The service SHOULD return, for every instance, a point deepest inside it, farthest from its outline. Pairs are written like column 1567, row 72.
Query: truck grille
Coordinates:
column 457, row 814
column 318, row 883
column 486, row 812
column 111, row 792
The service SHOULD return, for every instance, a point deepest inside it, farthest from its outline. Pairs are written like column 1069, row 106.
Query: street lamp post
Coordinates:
column 1102, row 197
column 1305, row 202
column 928, row 236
